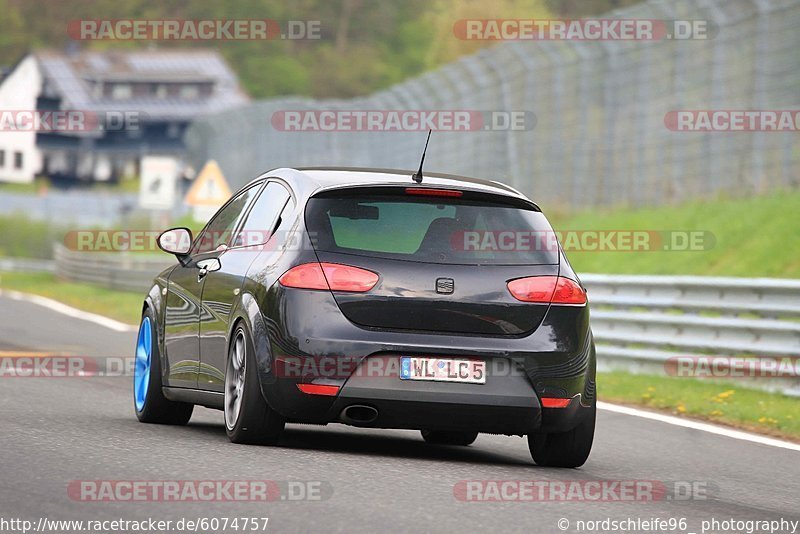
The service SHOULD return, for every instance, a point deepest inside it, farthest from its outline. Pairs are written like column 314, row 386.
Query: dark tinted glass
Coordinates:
column 437, row 230
column 219, row 231
column 262, row 219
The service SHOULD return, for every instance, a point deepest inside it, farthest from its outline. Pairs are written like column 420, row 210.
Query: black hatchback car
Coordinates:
column 359, row 296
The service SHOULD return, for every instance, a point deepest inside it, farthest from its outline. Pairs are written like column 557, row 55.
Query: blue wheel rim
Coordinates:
column 141, row 371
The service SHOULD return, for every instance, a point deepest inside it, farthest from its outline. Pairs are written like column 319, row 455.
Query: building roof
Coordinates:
column 71, row 76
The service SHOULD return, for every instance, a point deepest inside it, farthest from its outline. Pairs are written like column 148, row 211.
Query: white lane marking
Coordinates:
column 62, row 308
column 705, row 427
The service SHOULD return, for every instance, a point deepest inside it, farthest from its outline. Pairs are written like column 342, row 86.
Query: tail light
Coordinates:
column 553, row 402
column 547, row 290
column 333, row 276
column 318, row 389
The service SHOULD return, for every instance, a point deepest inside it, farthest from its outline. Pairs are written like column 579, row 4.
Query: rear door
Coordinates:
column 444, row 257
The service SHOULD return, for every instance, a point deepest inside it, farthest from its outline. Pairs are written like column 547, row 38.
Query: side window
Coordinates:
column 260, row 223
column 218, row 232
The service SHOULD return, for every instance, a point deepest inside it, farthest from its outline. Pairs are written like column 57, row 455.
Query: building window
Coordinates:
column 121, row 91
column 2, row 158
column 17, row 160
column 161, row 91
column 190, row 91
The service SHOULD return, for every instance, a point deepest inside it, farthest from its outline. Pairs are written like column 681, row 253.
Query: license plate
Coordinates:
column 442, row 369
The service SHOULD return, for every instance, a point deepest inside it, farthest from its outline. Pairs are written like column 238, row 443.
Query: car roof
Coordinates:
column 319, row 178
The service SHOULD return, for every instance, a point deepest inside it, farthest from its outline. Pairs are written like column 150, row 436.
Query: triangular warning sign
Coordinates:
column 209, row 188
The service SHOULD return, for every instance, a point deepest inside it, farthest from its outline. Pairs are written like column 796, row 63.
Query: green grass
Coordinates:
column 29, row 188
column 127, row 184
column 753, row 237
column 24, row 237
column 21, row 237
column 725, row 403
column 120, row 305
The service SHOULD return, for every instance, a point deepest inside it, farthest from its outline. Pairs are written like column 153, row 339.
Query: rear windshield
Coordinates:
column 430, row 229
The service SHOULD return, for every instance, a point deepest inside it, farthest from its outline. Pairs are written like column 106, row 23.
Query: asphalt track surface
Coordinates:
column 58, row 430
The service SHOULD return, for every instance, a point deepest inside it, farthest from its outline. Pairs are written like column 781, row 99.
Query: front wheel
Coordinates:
column 565, row 449
column 148, row 399
column 248, row 417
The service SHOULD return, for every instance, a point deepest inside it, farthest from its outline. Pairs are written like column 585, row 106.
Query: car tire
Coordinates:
column 564, row 449
column 449, row 437
column 252, row 421
column 149, row 402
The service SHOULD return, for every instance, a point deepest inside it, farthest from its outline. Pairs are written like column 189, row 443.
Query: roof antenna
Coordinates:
column 417, row 176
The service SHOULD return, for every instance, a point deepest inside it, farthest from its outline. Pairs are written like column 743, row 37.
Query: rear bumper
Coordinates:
column 504, row 404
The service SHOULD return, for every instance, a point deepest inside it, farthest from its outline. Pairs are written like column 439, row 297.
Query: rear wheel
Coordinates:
column 248, row 417
column 564, row 449
column 449, row 437
column 148, row 399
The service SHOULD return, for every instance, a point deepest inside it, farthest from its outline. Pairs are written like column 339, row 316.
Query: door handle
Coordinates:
column 207, row 266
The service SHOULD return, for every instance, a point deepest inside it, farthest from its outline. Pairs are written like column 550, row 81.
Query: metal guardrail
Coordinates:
column 26, row 265
column 120, row 270
column 641, row 324
column 645, row 323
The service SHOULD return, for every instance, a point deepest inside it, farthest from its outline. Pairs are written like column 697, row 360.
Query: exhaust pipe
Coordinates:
column 359, row 415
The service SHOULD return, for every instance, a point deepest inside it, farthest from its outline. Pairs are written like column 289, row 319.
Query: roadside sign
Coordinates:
column 159, row 176
column 208, row 192
column 209, row 188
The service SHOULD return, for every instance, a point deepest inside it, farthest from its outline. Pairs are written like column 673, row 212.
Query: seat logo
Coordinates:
column 445, row 285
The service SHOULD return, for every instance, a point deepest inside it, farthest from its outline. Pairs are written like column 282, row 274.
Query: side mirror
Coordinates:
column 176, row 241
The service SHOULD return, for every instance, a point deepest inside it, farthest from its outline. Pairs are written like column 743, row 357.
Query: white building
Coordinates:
column 20, row 160
column 131, row 104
